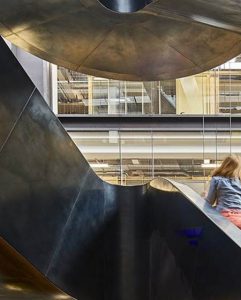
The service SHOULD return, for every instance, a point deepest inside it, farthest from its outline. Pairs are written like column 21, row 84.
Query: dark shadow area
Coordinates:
column 208, row 260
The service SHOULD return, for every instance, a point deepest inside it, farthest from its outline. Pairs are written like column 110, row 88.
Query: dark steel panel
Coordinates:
column 206, row 251
column 15, row 91
column 41, row 171
column 57, row 213
column 104, row 246
column 165, row 39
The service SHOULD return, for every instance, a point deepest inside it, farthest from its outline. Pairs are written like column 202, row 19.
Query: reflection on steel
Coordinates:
column 125, row 6
column 91, row 239
column 19, row 277
column 166, row 39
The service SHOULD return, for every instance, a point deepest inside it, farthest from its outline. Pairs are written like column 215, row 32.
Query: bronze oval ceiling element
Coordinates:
column 166, row 39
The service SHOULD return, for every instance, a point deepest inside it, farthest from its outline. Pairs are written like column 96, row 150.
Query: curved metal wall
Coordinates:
column 166, row 39
column 91, row 239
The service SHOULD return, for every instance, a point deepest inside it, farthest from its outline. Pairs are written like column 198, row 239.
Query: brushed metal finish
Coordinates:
column 94, row 240
column 166, row 39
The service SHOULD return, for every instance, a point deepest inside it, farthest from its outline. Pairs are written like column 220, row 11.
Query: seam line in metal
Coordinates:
column 60, row 242
column 16, row 121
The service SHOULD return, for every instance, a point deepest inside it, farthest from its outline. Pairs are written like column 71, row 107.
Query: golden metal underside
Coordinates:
column 166, row 39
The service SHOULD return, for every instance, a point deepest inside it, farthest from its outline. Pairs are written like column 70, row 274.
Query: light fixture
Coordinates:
column 210, row 166
column 100, row 165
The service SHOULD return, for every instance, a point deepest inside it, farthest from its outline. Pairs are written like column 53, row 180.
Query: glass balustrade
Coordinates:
column 214, row 92
column 129, row 157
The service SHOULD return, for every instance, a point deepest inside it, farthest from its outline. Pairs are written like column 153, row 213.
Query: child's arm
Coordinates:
column 212, row 193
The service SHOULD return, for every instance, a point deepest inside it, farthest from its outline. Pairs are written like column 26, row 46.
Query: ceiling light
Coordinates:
column 210, row 166
column 101, row 165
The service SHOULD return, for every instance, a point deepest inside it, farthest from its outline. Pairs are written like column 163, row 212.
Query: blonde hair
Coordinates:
column 230, row 167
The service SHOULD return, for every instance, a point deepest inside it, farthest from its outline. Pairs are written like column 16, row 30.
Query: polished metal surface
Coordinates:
column 165, row 39
column 20, row 280
column 93, row 240
column 124, row 6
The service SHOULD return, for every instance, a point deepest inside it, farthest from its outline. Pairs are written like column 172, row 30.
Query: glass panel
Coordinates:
column 72, row 92
column 99, row 95
column 134, row 98
column 236, row 142
column 179, row 155
column 167, row 97
column 136, row 157
column 217, row 91
column 117, row 97
column 130, row 158
column 102, row 151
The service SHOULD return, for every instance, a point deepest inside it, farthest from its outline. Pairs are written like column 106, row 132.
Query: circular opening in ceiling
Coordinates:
column 125, row 6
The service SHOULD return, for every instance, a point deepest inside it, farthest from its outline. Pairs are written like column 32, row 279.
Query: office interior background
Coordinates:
column 130, row 156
